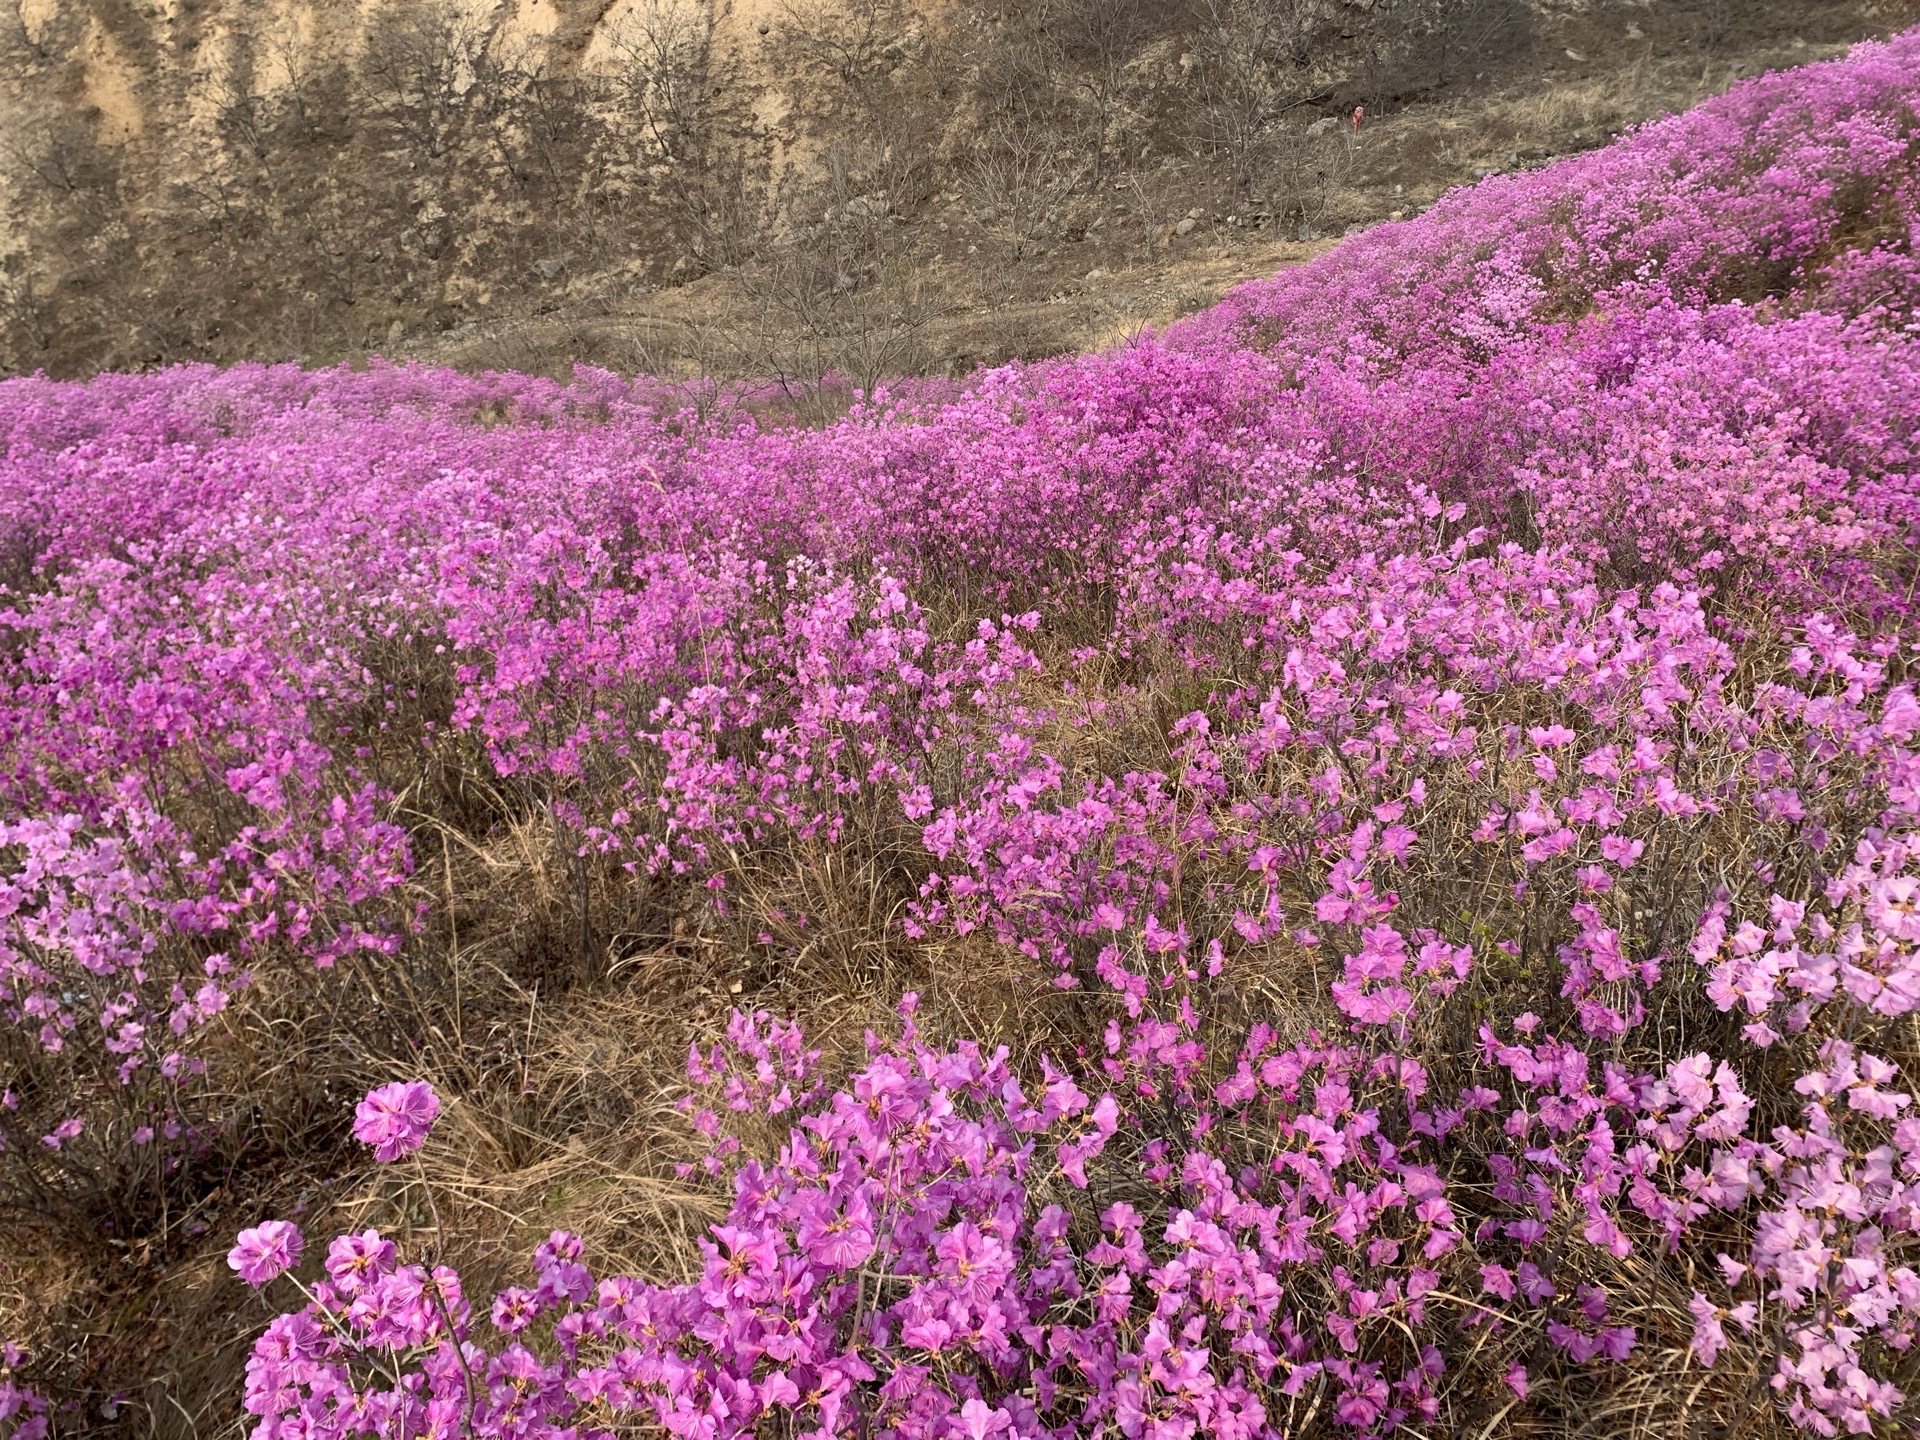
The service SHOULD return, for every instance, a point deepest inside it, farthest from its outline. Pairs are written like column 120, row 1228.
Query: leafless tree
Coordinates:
column 854, row 43
column 243, row 115
column 1018, row 185
column 419, row 64
column 682, row 138
column 1249, row 73
column 554, row 121
column 26, row 317
column 1097, row 40
column 840, row 296
column 662, row 52
column 873, row 90
column 280, row 60
column 54, row 152
column 1157, row 195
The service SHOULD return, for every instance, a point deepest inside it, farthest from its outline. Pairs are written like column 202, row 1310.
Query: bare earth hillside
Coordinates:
column 782, row 187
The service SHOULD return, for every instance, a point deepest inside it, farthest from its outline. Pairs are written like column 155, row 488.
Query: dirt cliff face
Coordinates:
column 789, row 186
column 292, row 176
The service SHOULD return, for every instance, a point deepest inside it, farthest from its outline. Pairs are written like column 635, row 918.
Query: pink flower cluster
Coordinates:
column 23, row 1410
column 395, row 1119
column 268, row 1249
column 924, row 1256
column 1445, row 719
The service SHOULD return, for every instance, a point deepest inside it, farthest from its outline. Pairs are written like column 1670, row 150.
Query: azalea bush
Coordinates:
column 22, row 1408
column 1340, row 1224
column 1430, row 745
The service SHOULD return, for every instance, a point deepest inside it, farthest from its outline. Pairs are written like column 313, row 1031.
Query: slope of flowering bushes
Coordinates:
column 1435, row 735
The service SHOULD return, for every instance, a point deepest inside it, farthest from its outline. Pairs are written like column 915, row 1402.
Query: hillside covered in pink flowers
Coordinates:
column 1351, row 868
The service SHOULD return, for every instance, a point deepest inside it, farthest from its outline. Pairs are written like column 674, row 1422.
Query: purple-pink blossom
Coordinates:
column 395, row 1118
column 266, row 1250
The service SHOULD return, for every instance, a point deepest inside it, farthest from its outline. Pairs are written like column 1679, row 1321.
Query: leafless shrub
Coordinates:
column 1470, row 34
column 1157, row 196
column 661, row 79
column 1714, row 22
column 546, row 121
column 875, row 93
column 1098, row 41
column 26, row 320
column 1018, row 187
column 302, row 86
column 419, row 65
column 838, row 297
column 243, row 115
column 855, row 44
column 680, row 138
column 56, row 153
column 1411, row 47
column 1251, row 70
column 1304, row 173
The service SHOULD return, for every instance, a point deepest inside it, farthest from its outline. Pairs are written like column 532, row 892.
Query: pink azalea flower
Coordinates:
column 395, row 1118
column 265, row 1251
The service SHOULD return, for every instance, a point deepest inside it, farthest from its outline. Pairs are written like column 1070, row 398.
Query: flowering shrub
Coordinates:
column 265, row 1251
column 1439, row 727
column 23, row 1410
column 395, row 1118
